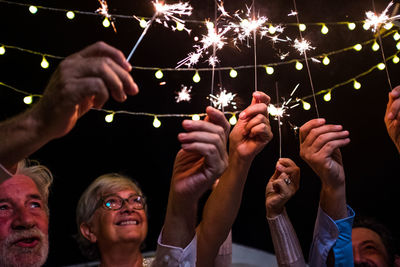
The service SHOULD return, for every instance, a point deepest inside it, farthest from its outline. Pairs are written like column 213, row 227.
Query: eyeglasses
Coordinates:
column 114, row 202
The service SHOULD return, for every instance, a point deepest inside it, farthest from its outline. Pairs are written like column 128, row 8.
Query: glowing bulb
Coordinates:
column 269, row 70
column 398, row 45
column 233, row 120
column 302, row 27
column 306, row 105
column 388, row 26
column 196, row 117
column 328, row 96
column 70, row 15
column 159, row 74
column 356, row 85
column 233, row 73
column 106, row 23
column 351, row 26
column 375, row 46
column 180, row 26
column 2, row 50
column 33, row 9
column 196, row 77
column 299, row 65
column 396, row 59
column 396, row 36
column 109, row 117
column 357, row 47
column 143, row 23
column 381, row 66
column 209, row 25
column 271, row 29
column 326, row 60
column 366, row 26
column 28, row 99
column 156, row 122
column 324, row 29
column 45, row 64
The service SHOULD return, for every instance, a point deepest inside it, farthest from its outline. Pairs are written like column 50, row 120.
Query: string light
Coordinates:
column 70, row 15
column 272, row 29
column 398, row 46
column 396, row 59
column 142, row 23
column 196, row 77
column 233, row 73
column 351, row 26
column 2, row 50
column 106, row 22
column 233, row 120
column 33, row 9
column 44, row 64
column 324, row 29
column 356, row 85
column 328, row 96
column 306, row 105
column 366, row 26
column 381, row 66
column 109, row 117
column 159, row 74
column 357, row 47
column 269, row 70
column 196, row 117
column 302, row 27
column 326, row 60
column 28, row 99
column 388, row 26
column 156, row 122
column 375, row 46
column 396, row 36
column 299, row 65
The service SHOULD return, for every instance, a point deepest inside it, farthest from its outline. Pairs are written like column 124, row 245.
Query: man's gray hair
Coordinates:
column 89, row 202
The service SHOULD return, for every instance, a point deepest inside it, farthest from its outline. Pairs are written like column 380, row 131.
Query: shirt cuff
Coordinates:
column 170, row 256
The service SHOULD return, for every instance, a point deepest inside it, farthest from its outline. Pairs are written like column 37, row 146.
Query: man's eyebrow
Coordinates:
column 35, row 196
column 5, row 199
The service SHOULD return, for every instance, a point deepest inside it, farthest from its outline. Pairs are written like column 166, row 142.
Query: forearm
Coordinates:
column 286, row 244
column 333, row 201
column 224, row 257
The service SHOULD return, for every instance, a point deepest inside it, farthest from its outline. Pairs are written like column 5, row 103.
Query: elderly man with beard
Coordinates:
column 24, row 216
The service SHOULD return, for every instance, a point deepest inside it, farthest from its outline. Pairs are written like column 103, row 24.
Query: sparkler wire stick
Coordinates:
column 141, row 36
column 214, row 52
column 306, row 61
column 255, row 49
column 279, row 120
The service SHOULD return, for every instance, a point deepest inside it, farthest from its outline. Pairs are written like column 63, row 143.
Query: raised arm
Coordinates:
column 319, row 147
column 249, row 136
column 81, row 81
column 280, row 188
column 392, row 117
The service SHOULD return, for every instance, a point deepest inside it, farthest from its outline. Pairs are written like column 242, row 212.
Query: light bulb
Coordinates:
column 366, row 26
column 375, row 46
column 2, row 50
column 180, row 26
column 351, row 26
column 398, row 45
column 28, row 99
column 233, row 120
column 302, row 27
column 328, row 96
column 70, row 15
column 209, row 25
column 45, row 64
column 388, row 26
column 324, row 29
column 143, row 23
column 196, row 77
column 381, row 66
column 396, row 36
column 326, row 60
column 356, row 85
column 357, row 47
column 271, row 29
column 106, row 23
column 306, row 105
column 109, row 117
column 396, row 59
column 233, row 73
column 299, row 65
column 196, row 117
column 33, row 9
column 159, row 74
column 269, row 70
column 156, row 122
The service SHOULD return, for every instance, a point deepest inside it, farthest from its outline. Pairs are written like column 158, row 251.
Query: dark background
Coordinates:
column 131, row 145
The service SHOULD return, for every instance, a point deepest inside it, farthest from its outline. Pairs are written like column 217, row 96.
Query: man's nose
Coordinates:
column 23, row 220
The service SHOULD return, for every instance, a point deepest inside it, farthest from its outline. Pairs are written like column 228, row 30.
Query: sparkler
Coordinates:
column 223, row 99
column 169, row 12
column 302, row 46
column 103, row 10
column 184, row 94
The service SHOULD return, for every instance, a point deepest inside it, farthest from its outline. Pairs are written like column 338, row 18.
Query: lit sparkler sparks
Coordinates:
column 279, row 111
column 103, row 10
column 375, row 21
column 302, row 46
column 184, row 94
column 223, row 99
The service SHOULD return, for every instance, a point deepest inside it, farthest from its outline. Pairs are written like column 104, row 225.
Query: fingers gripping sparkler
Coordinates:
column 169, row 12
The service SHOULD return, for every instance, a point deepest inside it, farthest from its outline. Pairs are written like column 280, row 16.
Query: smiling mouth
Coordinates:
column 130, row 222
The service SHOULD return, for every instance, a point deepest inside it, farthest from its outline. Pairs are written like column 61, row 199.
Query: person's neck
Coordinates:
column 121, row 256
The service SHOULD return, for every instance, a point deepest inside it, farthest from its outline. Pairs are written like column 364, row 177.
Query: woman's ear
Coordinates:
column 86, row 231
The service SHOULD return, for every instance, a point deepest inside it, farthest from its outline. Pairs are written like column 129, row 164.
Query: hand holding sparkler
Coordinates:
column 392, row 116
column 252, row 132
